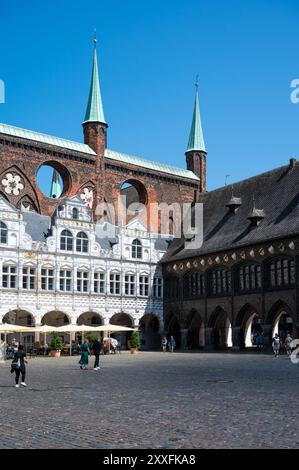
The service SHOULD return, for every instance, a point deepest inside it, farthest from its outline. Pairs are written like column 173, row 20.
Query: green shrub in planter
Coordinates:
column 135, row 340
column 92, row 337
column 56, row 342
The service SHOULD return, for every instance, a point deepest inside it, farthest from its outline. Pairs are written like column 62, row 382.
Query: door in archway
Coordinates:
column 149, row 330
column 123, row 337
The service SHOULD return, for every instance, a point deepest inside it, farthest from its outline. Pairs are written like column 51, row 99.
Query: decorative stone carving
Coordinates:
column 12, row 183
column 87, row 196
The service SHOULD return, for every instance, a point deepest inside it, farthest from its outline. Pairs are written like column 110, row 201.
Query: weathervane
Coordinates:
column 196, row 82
column 95, row 37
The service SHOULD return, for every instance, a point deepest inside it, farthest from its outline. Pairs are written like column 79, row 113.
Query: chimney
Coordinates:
column 292, row 163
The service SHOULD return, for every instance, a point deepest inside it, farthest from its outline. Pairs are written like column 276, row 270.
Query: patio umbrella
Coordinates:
column 109, row 328
column 8, row 328
column 74, row 328
column 44, row 329
column 113, row 328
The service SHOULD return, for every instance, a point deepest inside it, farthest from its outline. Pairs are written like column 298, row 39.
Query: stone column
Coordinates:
column 209, row 343
column 236, row 338
column 184, row 334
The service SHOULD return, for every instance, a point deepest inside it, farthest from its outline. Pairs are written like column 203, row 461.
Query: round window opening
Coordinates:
column 53, row 180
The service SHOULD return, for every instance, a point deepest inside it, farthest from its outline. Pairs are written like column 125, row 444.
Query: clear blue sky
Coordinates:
column 245, row 52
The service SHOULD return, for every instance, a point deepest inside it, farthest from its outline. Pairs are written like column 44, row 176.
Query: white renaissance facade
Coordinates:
column 63, row 270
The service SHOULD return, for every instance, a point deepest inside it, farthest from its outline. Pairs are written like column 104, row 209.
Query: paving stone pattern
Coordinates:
column 153, row 400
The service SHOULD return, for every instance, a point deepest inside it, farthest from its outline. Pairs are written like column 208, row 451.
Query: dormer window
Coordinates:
column 233, row 204
column 75, row 213
column 137, row 249
column 256, row 216
column 3, row 233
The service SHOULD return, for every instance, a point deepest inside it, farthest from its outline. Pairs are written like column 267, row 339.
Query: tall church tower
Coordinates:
column 196, row 150
column 95, row 126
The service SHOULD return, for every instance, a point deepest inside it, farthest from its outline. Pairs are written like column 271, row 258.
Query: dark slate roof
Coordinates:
column 162, row 244
column 104, row 243
column 275, row 192
column 38, row 226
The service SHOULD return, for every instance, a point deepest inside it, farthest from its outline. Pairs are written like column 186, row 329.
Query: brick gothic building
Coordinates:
column 54, row 266
column 245, row 277
column 89, row 168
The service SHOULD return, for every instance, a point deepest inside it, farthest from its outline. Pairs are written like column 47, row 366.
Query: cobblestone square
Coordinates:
column 153, row 400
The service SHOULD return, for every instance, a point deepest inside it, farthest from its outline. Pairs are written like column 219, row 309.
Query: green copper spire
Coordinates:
column 196, row 140
column 55, row 191
column 94, row 111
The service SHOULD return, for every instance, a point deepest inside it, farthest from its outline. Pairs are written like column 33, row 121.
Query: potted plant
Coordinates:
column 56, row 344
column 92, row 337
column 135, row 342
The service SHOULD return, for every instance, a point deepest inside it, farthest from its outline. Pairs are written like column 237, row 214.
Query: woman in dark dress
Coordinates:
column 85, row 352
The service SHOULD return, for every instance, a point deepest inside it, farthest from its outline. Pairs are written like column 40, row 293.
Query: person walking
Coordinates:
column 164, row 343
column 96, row 347
column 18, row 366
column 276, row 345
column 288, row 344
column 85, row 352
column 171, row 344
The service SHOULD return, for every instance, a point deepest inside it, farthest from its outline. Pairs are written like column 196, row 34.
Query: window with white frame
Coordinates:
column 99, row 282
column 66, row 240
column 130, row 284
column 82, row 242
column 82, row 281
column 143, row 285
column 47, row 278
column 9, row 277
column 3, row 232
column 136, row 249
column 29, row 278
column 157, row 287
column 114, row 283
column 65, row 280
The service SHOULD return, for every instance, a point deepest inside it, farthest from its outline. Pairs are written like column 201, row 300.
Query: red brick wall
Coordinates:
column 79, row 170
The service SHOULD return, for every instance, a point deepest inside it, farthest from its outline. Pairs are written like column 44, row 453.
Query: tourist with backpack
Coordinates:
column 18, row 366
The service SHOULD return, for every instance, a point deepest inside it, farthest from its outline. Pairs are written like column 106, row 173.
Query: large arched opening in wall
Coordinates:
column 134, row 200
column 251, row 327
column 221, row 334
column 22, row 318
column 123, row 337
column 90, row 319
column 53, row 179
column 56, row 318
column 149, row 327
column 282, row 321
column 173, row 328
column 196, row 331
